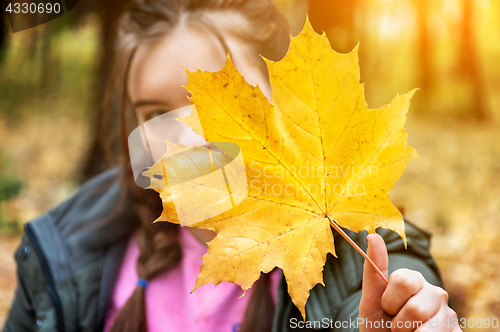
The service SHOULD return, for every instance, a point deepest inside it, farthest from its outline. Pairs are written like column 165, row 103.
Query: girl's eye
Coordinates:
column 154, row 114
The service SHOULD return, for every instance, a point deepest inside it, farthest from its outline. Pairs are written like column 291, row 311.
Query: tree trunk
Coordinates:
column 97, row 160
column 470, row 65
column 4, row 30
column 337, row 19
column 424, row 47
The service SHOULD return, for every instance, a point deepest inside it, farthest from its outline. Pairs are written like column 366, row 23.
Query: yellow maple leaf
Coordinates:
column 196, row 183
column 316, row 155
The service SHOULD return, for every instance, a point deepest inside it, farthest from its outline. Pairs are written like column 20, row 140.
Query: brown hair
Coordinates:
column 259, row 23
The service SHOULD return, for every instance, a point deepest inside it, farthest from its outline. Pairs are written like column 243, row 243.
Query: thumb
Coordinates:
column 378, row 254
column 373, row 284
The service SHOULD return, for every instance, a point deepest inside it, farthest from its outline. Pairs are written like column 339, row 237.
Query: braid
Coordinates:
column 159, row 251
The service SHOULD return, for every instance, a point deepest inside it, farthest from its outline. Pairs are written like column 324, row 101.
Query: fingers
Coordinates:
column 427, row 303
column 403, row 284
column 444, row 321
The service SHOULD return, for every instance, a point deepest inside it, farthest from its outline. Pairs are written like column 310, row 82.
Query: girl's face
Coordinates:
column 157, row 73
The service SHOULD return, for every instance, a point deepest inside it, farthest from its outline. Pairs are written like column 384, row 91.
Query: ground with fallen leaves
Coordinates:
column 7, row 274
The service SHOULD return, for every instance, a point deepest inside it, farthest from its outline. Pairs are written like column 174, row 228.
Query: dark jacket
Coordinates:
column 69, row 258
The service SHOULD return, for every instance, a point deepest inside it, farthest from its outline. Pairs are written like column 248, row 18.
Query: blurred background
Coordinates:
column 52, row 79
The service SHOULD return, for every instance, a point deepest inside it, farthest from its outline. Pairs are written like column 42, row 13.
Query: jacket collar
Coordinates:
column 92, row 225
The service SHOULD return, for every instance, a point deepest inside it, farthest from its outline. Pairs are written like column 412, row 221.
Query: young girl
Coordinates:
column 96, row 262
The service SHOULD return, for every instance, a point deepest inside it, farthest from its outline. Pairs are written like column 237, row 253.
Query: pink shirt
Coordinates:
column 170, row 307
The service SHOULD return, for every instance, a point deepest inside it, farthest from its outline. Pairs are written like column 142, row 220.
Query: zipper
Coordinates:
column 47, row 275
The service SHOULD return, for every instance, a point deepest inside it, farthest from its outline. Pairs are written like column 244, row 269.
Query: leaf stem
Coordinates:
column 352, row 243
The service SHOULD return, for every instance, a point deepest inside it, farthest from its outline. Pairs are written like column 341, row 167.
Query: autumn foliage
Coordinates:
column 313, row 156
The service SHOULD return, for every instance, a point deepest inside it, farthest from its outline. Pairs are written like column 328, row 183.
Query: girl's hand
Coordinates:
column 407, row 300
